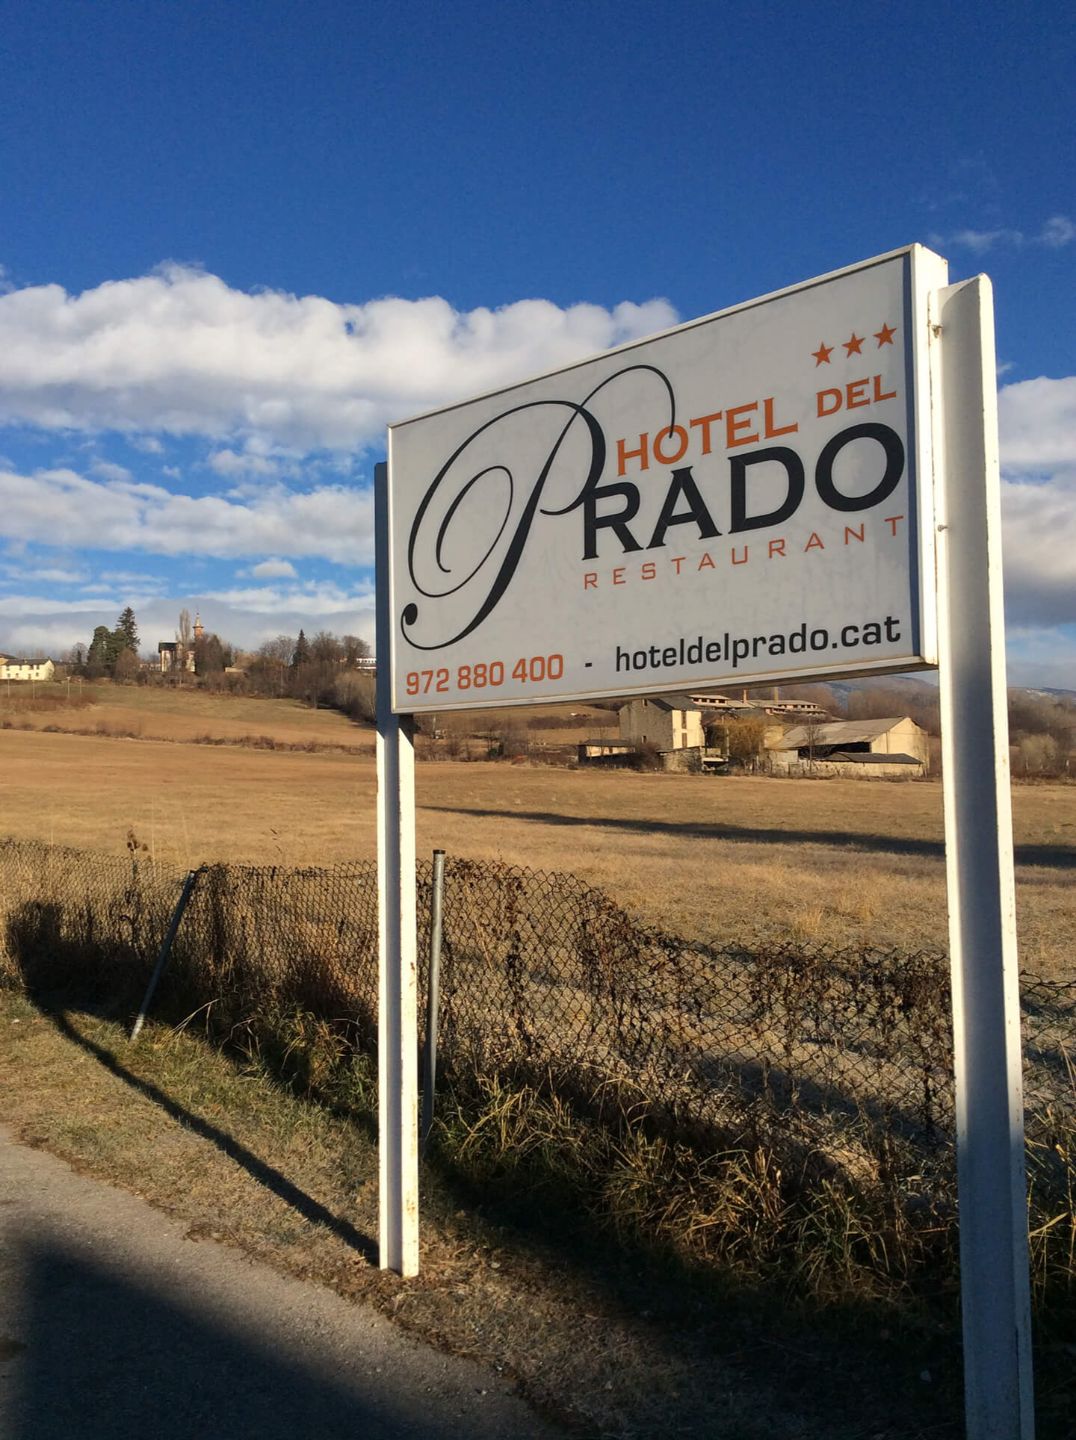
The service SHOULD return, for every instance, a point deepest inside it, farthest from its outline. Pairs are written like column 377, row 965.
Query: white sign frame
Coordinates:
column 957, row 389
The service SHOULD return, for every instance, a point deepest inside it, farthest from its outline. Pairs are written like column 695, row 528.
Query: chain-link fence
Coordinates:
column 546, row 976
column 542, row 977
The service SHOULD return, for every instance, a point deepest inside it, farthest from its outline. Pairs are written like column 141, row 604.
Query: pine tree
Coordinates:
column 302, row 651
column 117, row 646
column 126, row 626
column 98, row 656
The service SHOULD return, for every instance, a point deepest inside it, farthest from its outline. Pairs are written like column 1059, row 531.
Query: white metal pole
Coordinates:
column 397, row 938
column 994, row 1283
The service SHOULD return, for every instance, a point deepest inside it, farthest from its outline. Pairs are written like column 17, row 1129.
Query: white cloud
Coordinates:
column 178, row 351
column 321, row 598
column 19, row 605
column 273, row 569
column 1038, row 454
column 129, row 577
column 1056, row 232
column 110, row 471
column 229, row 463
column 1039, row 536
column 61, row 507
column 45, row 575
column 980, row 241
column 1037, row 419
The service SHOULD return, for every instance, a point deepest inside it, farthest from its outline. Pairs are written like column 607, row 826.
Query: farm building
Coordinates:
column 801, row 709
column 671, row 722
column 604, row 752
column 861, row 749
column 36, row 668
column 723, row 705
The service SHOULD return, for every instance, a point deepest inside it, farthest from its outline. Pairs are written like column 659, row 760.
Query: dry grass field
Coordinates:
column 154, row 712
column 840, row 862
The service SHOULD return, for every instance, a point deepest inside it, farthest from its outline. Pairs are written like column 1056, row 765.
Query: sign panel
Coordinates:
column 743, row 499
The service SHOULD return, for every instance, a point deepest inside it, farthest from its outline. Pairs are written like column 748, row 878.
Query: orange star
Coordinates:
column 884, row 336
column 853, row 346
column 822, row 354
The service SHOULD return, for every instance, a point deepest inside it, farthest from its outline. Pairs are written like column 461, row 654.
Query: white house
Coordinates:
column 36, row 668
column 671, row 722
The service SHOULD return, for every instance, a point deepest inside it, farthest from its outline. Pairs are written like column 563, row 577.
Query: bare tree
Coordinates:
column 274, row 658
column 742, row 738
column 354, row 649
column 183, row 643
column 813, row 739
column 125, row 668
column 325, row 648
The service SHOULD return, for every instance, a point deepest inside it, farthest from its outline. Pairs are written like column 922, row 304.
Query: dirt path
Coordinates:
column 114, row 1322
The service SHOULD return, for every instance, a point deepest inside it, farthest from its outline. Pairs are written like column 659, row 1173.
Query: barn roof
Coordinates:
column 836, row 732
column 875, row 757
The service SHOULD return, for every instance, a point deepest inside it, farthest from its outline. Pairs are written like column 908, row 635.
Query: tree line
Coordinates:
column 321, row 670
column 326, row 670
column 110, row 652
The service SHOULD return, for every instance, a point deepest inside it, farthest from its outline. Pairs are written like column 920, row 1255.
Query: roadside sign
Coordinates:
column 746, row 498
column 803, row 487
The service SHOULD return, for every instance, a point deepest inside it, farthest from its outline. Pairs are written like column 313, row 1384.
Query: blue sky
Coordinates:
column 237, row 240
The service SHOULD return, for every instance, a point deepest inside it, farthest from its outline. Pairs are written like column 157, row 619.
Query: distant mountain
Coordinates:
column 878, row 696
column 907, row 689
column 906, row 685
column 1050, row 692
column 901, row 692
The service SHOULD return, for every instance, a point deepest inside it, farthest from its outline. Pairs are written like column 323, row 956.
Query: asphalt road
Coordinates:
column 114, row 1324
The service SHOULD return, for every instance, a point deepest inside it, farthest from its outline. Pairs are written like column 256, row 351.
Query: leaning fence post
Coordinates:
column 166, row 948
column 433, row 997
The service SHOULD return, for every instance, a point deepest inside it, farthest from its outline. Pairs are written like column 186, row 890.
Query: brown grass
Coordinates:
column 181, row 713
column 837, row 862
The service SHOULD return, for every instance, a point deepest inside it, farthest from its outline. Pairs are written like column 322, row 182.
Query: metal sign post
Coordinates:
column 397, row 1014
column 978, row 845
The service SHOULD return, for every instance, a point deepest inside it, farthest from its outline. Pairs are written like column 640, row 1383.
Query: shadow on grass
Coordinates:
column 44, row 961
column 272, row 1179
column 1057, row 857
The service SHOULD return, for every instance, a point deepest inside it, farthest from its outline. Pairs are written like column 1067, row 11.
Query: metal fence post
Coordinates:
column 433, row 997
column 166, row 948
